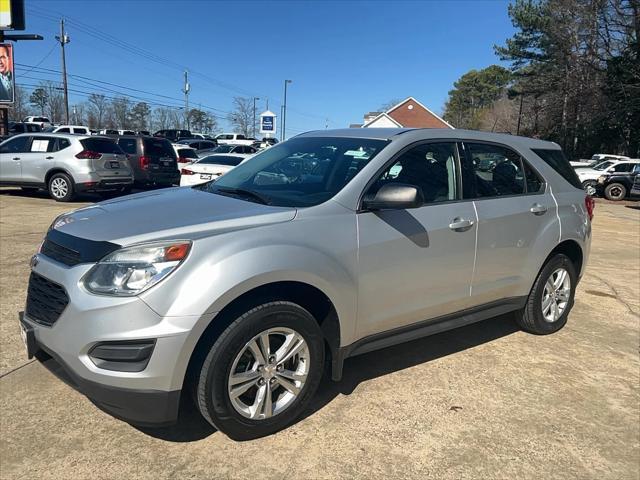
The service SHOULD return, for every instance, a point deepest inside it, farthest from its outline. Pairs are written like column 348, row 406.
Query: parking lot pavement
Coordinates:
column 483, row 401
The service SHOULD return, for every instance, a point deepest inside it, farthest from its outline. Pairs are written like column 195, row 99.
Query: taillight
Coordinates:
column 590, row 205
column 183, row 160
column 186, row 171
column 88, row 155
column 144, row 162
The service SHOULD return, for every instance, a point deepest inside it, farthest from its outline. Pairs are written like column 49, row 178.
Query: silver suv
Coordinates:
column 64, row 164
column 329, row 245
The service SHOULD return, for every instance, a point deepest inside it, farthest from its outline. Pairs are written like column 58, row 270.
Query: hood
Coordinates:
column 170, row 213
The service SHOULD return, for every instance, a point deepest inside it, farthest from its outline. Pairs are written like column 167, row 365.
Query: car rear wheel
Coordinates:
column 589, row 183
column 615, row 191
column 262, row 372
column 551, row 297
column 61, row 187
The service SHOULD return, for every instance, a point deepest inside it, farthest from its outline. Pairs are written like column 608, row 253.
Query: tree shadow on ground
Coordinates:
column 192, row 427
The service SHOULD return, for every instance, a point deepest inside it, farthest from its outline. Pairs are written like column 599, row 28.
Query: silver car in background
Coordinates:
column 64, row 164
column 328, row 245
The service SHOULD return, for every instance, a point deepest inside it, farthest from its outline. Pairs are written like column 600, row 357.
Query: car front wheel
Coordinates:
column 615, row 191
column 262, row 372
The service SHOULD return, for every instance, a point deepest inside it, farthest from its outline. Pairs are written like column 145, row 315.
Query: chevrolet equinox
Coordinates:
column 331, row 244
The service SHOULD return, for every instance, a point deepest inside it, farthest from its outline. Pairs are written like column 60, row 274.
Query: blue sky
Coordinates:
column 345, row 58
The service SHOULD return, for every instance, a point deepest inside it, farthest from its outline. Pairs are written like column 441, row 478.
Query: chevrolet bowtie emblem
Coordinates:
column 34, row 261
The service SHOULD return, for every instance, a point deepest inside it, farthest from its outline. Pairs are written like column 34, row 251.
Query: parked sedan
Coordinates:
column 199, row 145
column 236, row 149
column 210, row 168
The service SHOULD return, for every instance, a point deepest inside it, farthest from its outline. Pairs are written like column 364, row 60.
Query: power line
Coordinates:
column 133, row 49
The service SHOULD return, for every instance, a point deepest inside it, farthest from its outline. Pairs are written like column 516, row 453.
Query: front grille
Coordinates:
column 59, row 253
column 45, row 300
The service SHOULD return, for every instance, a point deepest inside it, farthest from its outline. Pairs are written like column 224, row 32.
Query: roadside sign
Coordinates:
column 12, row 15
column 7, row 79
column 5, row 14
column 268, row 123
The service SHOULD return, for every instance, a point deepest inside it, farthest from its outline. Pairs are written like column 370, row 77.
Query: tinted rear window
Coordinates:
column 128, row 145
column 556, row 160
column 222, row 160
column 100, row 145
column 187, row 153
column 158, row 148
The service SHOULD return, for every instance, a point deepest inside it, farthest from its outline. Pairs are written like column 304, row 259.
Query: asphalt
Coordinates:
column 485, row 401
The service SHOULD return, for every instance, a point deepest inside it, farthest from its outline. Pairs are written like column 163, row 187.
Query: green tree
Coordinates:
column 475, row 91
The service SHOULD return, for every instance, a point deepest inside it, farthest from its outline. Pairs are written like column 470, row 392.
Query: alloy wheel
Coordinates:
column 556, row 294
column 59, row 187
column 268, row 373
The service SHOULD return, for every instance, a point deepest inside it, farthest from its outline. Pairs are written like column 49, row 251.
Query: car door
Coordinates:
column 39, row 159
column 416, row 264
column 514, row 207
column 11, row 154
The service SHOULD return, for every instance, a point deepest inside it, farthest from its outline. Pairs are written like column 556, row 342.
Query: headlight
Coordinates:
column 132, row 270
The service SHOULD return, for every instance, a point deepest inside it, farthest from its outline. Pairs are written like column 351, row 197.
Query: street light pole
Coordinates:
column 284, row 109
column 254, row 115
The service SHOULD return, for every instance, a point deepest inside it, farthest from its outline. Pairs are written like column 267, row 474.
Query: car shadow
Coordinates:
column 18, row 192
column 192, row 427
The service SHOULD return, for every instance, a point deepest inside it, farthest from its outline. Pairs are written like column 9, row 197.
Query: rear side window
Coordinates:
column 129, row 145
column 62, row 144
column 158, row 148
column 497, row 171
column 222, row 160
column 80, row 131
column 556, row 160
column 101, row 145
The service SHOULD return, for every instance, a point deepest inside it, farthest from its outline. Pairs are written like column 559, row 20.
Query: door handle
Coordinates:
column 538, row 209
column 15, row 158
column 460, row 224
column 48, row 158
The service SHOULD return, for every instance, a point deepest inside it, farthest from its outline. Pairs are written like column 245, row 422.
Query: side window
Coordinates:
column 497, row 171
column 128, row 145
column 636, row 168
column 240, row 137
column 16, row 145
column 623, row 167
column 63, row 130
column 63, row 143
column 42, row 144
column 430, row 166
column 534, row 182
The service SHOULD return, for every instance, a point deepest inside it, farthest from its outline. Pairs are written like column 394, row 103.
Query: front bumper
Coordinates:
column 146, row 397
column 135, row 406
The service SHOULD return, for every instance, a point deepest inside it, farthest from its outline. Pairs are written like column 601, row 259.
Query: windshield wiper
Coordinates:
column 244, row 193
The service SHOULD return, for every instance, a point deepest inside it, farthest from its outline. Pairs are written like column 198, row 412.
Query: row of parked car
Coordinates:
column 66, row 164
column 614, row 177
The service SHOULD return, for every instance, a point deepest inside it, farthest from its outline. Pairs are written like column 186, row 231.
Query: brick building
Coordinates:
column 409, row 113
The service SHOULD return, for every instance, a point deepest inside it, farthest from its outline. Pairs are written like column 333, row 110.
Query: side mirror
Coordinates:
column 396, row 196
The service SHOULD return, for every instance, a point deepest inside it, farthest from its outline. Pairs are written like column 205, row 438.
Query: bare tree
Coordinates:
column 20, row 108
column 55, row 101
column 387, row 105
column 39, row 98
column 98, row 106
column 160, row 118
column 242, row 115
column 120, row 107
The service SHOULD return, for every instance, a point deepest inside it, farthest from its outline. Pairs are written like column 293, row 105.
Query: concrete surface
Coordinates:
column 485, row 401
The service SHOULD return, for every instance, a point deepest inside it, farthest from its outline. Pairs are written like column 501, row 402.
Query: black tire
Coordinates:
column 212, row 382
column 531, row 318
column 61, row 179
column 615, row 192
column 589, row 183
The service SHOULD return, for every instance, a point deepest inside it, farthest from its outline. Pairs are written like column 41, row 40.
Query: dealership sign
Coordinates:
column 268, row 122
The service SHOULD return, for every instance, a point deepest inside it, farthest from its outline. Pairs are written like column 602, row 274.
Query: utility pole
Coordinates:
column 284, row 109
column 64, row 39
column 254, row 115
column 186, row 90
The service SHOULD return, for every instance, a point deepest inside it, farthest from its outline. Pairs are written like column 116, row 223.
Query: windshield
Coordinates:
column 301, row 172
column 603, row 165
